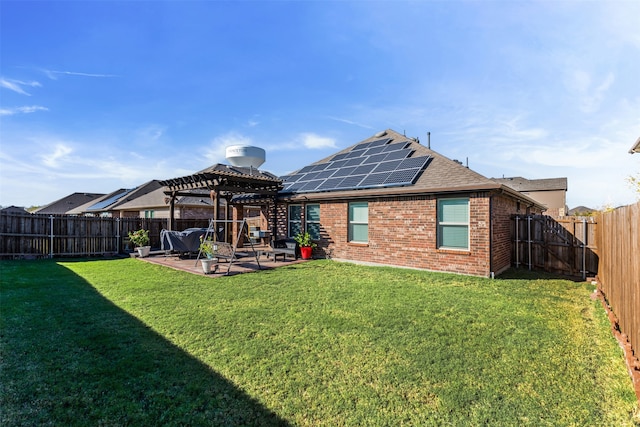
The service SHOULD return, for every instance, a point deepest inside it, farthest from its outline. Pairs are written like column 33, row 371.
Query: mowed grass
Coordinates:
column 124, row 342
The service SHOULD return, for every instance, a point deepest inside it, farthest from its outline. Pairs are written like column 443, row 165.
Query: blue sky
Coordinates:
column 101, row 95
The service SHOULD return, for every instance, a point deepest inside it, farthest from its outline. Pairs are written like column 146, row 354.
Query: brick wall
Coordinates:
column 402, row 232
column 502, row 209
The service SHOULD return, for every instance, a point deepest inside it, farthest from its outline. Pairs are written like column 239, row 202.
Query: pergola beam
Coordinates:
column 222, row 180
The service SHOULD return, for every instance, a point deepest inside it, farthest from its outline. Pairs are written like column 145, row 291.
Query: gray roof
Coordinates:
column 519, row 183
column 635, row 148
column 68, row 203
column 440, row 175
column 579, row 210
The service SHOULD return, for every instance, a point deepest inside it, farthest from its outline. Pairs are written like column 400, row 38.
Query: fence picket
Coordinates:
column 619, row 273
column 40, row 236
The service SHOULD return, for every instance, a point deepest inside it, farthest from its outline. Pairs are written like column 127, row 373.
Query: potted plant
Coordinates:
column 306, row 244
column 140, row 239
column 208, row 250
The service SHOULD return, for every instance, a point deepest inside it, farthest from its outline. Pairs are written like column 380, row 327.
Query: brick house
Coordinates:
column 389, row 200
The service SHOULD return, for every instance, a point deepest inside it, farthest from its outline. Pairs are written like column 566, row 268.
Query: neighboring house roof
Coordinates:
column 68, row 203
column 438, row 174
column 635, row 148
column 104, row 203
column 14, row 209
column 579, row 210
column 519, row 183
column 151, row 195
column 147, row 195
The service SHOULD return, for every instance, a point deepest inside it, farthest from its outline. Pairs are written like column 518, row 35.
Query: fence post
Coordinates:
column 529, row 238
column 51, row 236
column 517, row 243
column 118, row 235
column 584, row 248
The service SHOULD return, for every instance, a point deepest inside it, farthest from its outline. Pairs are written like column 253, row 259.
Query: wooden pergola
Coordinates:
column 244, row 184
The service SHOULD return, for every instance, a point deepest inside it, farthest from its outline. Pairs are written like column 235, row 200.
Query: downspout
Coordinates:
column 491, row 271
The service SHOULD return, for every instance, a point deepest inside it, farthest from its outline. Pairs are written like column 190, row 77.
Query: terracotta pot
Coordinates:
column 306, row 252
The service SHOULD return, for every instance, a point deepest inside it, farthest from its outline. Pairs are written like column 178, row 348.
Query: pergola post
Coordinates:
column 215, row 195
column 172, row 211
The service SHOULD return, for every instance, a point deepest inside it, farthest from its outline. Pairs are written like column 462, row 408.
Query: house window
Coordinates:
column 453, row 223
column 359, row 222
column 295, row 220
column 149, row 214
column 312, row 221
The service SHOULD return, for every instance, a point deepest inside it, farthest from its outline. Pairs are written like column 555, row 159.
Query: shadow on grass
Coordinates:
column 526, row 274
column 71, row 357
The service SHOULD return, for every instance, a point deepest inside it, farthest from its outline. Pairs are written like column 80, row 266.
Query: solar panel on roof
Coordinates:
column 368, row 165
column 354, row 162
column 340, row 156
column 338, row 164
column 330, row 184
column 343, row 172
column 414, row 162
column 352, row 181
column 374, row 179
column 291, row 178
column 106, row 202
column 404, row 176
column 379, row 142
column 311, row 185
column 376, row 158
column 364, row 169
column 374, row 150
column 387, row 166
column 325, row 173
column 398, row 154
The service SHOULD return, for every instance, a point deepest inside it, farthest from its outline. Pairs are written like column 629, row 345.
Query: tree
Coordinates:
column 634, row 183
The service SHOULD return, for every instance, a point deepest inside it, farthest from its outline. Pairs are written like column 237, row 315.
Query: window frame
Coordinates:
column 308, row 222
column 290, row 221
column 442, row 225
column 351, row 222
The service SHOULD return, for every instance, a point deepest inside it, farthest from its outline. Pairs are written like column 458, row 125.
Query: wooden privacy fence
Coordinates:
column 619, row 273
column 27, row 235
column 565, row 246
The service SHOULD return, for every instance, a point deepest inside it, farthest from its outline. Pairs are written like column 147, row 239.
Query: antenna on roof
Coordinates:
column 429, row 140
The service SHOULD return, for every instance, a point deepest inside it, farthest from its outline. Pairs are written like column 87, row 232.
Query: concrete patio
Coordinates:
column 245, row 262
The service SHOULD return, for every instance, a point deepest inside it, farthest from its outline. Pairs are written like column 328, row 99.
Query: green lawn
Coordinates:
column 124, row 342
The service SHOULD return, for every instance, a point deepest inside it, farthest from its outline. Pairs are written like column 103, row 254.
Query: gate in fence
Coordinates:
column 565, row 246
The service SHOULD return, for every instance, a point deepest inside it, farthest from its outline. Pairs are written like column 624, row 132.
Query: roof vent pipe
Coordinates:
column 429, row 140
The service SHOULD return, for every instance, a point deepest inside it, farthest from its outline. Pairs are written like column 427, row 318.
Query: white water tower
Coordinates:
column 245, row 156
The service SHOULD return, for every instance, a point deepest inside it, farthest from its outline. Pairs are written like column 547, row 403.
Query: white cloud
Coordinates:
column 313, row 141
column 52, row 74
column 60, row 154
column 22, row 110
column 350, row 122
column 590, row 94
column 17, row 85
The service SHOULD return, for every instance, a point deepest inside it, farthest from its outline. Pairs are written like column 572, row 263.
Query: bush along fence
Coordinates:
column 619, row 273
column 41, row 236
column 563, row 246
